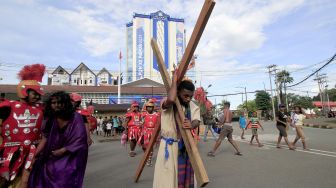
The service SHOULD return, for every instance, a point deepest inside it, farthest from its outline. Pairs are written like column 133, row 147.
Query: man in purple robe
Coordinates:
column 64, row 153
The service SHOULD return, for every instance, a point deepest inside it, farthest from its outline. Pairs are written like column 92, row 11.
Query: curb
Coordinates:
column 318, row 126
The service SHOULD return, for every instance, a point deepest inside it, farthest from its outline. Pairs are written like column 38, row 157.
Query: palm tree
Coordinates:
column 283, row 78
column 221, row 104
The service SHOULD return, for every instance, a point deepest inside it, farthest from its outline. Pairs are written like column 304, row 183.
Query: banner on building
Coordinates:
column 160, row 33
column 140, row 47
column 113, row 99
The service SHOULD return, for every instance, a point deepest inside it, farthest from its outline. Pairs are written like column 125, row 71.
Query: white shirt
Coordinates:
column 298, row 119
column 109, row 126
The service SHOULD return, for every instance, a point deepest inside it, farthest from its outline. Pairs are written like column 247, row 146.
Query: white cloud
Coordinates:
column 238, row 26
column 234, row 27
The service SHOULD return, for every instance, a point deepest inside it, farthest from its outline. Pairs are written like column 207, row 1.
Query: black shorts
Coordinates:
column 282, row 130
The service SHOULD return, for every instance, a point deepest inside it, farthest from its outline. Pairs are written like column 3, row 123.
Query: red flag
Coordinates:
column 191, row 64
column 120, row 55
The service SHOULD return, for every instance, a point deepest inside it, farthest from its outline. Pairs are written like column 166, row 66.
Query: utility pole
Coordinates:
column 285, row 88
column 320, row 81
column 246, row 99
column 119, row 78
column 270, row 70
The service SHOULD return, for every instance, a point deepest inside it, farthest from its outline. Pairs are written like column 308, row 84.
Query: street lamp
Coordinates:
column 208, row 87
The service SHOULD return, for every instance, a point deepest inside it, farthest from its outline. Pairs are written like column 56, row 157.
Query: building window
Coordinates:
column 85, row 82
column 90, row 81
column 81, row 82
column 74, row 81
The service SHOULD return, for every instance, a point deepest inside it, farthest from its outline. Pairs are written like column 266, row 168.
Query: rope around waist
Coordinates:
column 169, row 141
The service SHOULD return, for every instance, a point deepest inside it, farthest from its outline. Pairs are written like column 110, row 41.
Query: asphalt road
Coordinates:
column 110, row 166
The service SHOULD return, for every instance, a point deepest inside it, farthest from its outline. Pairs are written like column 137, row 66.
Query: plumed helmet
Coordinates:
column 135, row 104
column 151, row 103
column 30, row 76
column 75, row 97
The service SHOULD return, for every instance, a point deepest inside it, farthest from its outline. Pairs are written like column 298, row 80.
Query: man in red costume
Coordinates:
column 150, row 120
column 76, row 101
column 133, row 126
column 21, row 128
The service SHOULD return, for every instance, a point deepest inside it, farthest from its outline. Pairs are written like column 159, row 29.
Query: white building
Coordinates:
column 104, row 77
column 170, row 35
column 60, row 76
column 83, row 76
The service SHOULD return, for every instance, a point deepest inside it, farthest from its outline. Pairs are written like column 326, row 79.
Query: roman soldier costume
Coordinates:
column 150, row 121
column 88, row 119
column 21, row 124
column 134, row 124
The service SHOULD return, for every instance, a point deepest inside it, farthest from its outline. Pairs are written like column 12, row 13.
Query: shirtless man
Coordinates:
column 225, row 121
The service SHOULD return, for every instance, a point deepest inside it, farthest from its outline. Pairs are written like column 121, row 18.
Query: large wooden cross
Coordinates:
column 195, row 158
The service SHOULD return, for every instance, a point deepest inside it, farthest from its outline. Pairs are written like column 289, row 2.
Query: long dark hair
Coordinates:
column 300, row 109
column 64, row 98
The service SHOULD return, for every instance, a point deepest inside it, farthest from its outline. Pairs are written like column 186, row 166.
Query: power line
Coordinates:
column 308, row 67
column 331, row 59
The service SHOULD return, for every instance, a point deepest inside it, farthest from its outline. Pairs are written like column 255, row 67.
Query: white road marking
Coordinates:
column 301, row 150
column 272, row 145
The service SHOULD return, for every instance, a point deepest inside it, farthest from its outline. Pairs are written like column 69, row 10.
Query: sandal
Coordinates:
column 238, row 153
column 132, row 154
column 211, row 154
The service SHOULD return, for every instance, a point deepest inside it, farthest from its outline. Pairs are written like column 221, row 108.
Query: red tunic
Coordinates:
column 134, row 125
column 150, row 121
column 92, row 122
column 21, row 131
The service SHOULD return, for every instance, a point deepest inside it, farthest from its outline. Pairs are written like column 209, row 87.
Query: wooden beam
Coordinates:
column 195, row 37
column 150, row 147
column 195, row 158
column 191, row 147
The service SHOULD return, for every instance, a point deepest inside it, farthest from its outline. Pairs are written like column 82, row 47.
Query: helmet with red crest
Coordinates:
column 30, row 77
column 151, row 102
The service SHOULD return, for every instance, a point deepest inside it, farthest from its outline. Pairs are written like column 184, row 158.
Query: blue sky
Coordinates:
column 241, row 38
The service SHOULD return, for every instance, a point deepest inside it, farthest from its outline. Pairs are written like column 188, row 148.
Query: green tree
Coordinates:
column 331, row 93
column 251, row 106
column 263, row 100
column 221, row 104
column 283, row 78
column 303, row 101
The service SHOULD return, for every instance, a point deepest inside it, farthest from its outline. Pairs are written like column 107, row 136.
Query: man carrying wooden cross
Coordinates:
column 173, row 168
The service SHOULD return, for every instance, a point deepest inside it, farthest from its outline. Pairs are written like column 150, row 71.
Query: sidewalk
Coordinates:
column 324, row 123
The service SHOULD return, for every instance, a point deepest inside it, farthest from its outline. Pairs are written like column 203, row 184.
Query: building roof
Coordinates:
column 158, row 14
column 82, row 65
column 319, row 104
column 145, row 82
column 104, row 70
column 58, row 69
column 125, row 89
